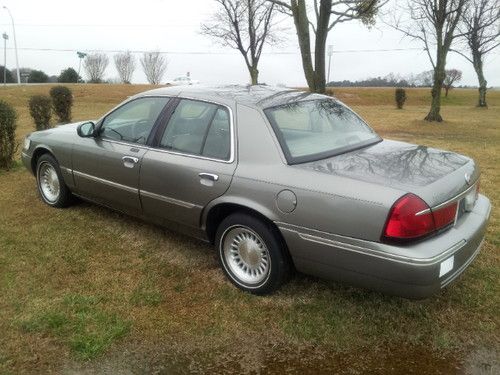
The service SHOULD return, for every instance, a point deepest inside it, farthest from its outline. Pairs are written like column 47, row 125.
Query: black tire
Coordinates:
column 64, row 197
column 279, row 265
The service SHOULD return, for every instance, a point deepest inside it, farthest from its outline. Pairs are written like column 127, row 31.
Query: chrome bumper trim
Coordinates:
column 369, row 251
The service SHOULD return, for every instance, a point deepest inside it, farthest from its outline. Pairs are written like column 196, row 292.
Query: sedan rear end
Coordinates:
column 415, row 269
column 391, row 216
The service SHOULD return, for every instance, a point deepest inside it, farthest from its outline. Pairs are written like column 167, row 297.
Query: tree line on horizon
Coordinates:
column 423, row 79
column 153, row 64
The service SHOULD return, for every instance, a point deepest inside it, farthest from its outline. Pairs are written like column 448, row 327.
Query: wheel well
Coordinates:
column 223, row 210
column 36, row 155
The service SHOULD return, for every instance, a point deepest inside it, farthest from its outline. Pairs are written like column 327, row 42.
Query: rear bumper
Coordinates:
column 416, row 271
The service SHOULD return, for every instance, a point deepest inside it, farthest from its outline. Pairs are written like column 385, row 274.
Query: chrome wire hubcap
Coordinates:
column 246, row 255
column 49, row 182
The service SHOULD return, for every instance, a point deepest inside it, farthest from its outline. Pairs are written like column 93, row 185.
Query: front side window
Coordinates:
column 199, row 128
column 133, row 121
column 316, row 129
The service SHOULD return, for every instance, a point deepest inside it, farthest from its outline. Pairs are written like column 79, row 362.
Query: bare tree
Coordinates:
column 452, row 76
column 154, row 66
column 244, row 25
column 433, row 23
column 95, row 65
column 125, row 65
column 481, row 29
column 328, row 14
column 425, row 79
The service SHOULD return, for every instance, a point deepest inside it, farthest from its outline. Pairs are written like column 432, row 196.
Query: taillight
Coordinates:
column 408, row 219
column 411, row 218
column 445, row 216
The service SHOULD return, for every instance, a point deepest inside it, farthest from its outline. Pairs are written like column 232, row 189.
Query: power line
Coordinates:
column 102, row 25
column 214, row 53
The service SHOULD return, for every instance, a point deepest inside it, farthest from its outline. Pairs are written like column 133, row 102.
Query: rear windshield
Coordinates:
column 317, row 129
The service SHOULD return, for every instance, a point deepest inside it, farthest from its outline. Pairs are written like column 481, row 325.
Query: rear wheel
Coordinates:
column 51, row 186
column 251, row 254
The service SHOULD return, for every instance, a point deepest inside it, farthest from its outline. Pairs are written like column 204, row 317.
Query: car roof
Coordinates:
column 259, row 96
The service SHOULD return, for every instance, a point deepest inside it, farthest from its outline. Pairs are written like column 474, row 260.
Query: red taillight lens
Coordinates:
column 406, row 220
column 445, row 216
column 411, row 218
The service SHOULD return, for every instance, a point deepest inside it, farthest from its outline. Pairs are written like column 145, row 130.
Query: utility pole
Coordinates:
column 330, row 54
column 5, row 38
column 81, row 56
column 15, row 44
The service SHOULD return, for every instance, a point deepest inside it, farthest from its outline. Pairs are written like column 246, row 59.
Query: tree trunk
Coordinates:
column 320, row 46
column 301, row 21
column 437, row 87
column 483, row 84
column 254, row 75
column 446, row 89
column 482, row 96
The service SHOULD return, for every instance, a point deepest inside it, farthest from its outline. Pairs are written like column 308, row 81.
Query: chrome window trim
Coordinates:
column 230, row 161
column 106, row 182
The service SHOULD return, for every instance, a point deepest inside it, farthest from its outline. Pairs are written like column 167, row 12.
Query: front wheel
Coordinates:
column 251, row 254
column 50, row 182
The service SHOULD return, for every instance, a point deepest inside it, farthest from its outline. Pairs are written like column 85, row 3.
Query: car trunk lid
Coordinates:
column 434, row 175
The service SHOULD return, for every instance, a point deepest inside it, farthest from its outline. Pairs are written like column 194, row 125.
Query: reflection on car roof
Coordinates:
column 260, row 96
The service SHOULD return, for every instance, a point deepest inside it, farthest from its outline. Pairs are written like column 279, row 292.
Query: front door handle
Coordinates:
column 130, row 161
column 209, row 176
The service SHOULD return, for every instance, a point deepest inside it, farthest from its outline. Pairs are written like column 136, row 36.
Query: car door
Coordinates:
column 191, row 163
column 106, row 167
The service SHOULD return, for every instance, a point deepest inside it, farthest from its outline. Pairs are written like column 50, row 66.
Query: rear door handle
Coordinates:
column 130, row 161
column 209, row 176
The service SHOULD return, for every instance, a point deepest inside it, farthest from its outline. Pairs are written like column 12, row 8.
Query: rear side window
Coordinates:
column 199, row 128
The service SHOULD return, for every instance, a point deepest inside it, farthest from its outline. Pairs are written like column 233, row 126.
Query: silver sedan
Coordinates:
column 278, row 180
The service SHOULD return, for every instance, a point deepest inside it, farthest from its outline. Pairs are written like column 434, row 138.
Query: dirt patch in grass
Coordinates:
column 87, row 290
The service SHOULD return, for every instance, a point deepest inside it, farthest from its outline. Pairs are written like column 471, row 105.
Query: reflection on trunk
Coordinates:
column 390, row 162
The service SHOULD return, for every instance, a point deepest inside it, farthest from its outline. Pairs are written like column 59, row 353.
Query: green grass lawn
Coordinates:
column 88, row 289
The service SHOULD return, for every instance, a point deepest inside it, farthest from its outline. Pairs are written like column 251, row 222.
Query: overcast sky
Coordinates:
column 173, row 26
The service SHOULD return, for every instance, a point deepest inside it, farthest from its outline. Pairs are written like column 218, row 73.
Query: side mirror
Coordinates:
column 86, row 130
